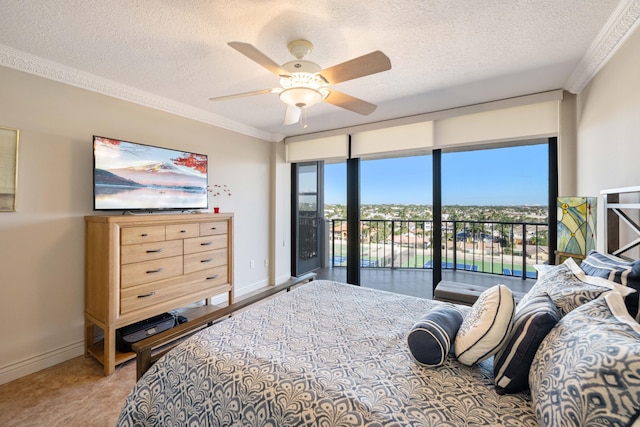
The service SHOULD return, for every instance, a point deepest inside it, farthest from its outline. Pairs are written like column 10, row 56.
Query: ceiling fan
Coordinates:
column 304, row 83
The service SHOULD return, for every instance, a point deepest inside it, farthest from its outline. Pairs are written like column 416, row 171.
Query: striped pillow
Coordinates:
column 617, row 270
column 431, row 338
column 532, row 323
column 486, row 326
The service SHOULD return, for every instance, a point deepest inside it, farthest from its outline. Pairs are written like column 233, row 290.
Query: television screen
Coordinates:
column 131, row 176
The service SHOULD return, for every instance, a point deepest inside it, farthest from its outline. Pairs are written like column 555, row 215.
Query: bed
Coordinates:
column 326, row 353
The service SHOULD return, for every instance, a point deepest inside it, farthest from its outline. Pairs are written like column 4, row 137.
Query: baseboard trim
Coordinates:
column 222, row 299
column 36, row 363
column 252, row 287
column 283, row 278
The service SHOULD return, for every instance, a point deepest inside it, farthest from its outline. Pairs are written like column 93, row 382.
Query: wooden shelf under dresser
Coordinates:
column 139, row 266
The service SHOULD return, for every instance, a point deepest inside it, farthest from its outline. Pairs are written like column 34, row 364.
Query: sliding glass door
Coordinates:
column 480, row 210
column 307, row 217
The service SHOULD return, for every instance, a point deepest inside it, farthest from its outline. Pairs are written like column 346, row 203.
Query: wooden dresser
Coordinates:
column 139, row 266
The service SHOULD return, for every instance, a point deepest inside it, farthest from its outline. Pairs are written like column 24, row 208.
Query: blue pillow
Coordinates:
column 617, row 270
column 431, row 338
column 532, row 323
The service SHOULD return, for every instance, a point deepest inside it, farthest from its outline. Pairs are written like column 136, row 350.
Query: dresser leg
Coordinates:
column 109, row 350
column 88, row 336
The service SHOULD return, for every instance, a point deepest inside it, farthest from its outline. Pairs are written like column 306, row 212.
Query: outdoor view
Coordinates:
column 494, row 218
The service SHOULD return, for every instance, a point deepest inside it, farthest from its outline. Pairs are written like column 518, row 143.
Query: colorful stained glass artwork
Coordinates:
column 576, row 224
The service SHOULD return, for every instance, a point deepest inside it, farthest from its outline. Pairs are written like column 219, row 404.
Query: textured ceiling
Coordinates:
column 173, row 54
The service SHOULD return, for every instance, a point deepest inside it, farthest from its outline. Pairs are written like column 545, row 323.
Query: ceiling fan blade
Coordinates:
column 350, row 103
column 364, row 65
column 254, row 54
column 241, row 95
column 292, row 116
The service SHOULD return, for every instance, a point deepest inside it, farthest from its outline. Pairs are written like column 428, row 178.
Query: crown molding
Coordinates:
column 41, row 67
column 623, row 22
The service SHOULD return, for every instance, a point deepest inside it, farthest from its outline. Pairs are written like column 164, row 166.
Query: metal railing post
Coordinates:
column 455, row 244
column 524, row 251
column 393, row 236
column 333, row 243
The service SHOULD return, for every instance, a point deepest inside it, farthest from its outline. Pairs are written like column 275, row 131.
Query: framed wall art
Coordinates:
column 8, row 169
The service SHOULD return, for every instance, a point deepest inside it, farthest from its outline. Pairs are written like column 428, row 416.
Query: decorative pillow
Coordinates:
column 587, row 369
column 541, row 269
column 617, row 270
column 569, row 287
column 486, row 325
column 532, row 323
column 431, row 338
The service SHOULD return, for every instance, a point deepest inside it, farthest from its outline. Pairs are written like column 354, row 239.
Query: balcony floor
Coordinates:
column 419, row 283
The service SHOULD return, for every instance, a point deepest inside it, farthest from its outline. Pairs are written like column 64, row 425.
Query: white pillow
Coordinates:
column 486, row 326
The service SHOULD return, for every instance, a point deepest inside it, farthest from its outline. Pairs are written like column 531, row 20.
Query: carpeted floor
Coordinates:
column 73, row 393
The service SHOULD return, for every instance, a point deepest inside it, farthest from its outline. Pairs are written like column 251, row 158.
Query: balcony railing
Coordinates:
column 502, row 248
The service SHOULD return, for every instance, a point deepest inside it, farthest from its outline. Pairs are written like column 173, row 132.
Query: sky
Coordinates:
column 500, row 176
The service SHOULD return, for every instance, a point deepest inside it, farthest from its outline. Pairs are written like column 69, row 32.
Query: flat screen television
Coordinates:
column 128, row 176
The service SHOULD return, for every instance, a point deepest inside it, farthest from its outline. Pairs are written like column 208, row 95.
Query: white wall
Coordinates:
column 281, row 216
column 42, row 243
column 608, row 127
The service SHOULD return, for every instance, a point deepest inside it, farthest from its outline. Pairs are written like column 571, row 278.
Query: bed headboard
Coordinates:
column 618, row 208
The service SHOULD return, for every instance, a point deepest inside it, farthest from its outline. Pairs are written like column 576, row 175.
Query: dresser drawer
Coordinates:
column 207, row 243
column 204, row 260
column 212, row 277
column 149, row 271
column 182, row 231
column 144, row 296
column 140, row 297
column 150, row 251
column 213, row 228
column 134, row 235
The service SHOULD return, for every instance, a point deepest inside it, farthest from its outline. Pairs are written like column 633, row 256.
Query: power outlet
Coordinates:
column 252, row 264
column 266, row 262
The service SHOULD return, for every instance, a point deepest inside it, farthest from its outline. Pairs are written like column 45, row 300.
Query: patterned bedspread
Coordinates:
column 324, row 354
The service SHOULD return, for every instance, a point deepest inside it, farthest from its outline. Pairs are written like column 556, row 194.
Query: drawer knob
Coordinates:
column 206, row 260
column 206, row 243
column 215, row 276
column 183, row 231
column 155, row 271
column 153, row 251
column 213, row 228
column 150, row 294
column 144, row 235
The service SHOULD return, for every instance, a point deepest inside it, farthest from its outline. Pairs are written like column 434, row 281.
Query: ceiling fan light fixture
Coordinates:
column 303, row 83
column 301, row 97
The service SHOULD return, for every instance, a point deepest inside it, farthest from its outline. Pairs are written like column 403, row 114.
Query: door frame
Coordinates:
column 299, row 266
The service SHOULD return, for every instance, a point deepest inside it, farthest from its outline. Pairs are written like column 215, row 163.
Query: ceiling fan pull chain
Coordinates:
column 304, row 118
